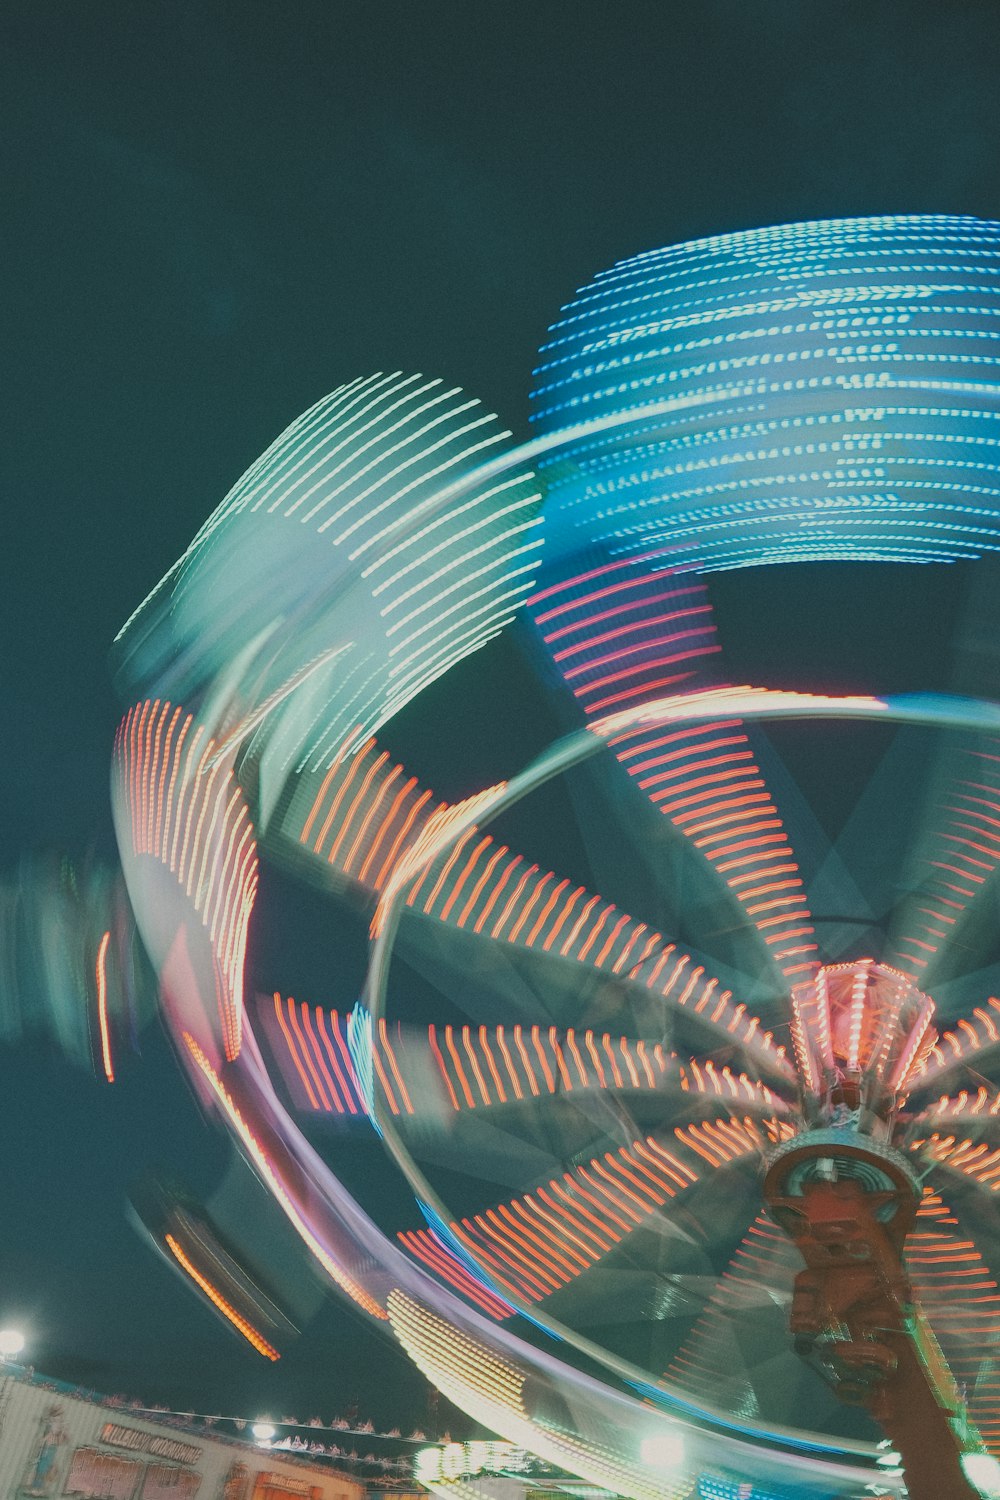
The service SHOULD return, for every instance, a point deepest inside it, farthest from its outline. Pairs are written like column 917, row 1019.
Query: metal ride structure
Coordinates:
column 744, row 1218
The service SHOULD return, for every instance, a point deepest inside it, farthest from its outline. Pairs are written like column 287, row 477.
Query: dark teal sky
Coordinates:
column 212, row 214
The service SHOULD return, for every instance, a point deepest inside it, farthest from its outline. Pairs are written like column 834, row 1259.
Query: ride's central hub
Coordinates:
column 848, row 1199
column 861, row 1031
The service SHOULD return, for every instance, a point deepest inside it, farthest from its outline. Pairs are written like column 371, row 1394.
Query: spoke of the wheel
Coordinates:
column 708, row 1363
column 976, row 1108
column 959, row 855
column 624, row 631
column 951, row 1282
column 366, row 818
column 976, row 1160
column 534, row 1245
column 964, row 1044
column 461, row 1068
column 958, row 1293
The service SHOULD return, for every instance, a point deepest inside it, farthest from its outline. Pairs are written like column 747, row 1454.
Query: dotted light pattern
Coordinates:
column 837, row 389
column 362, row 476
column 507, row 1256
column 184, row 808
column 966, row 1037
column 367, row 820
column 964, row 853
column 385, row 582
column 959, row 1295
column 973, row 1158
column 952, row 1284
column 243, row 1325
column 705, row 1365
column 865, row 1018
column 363, row 817
column 484, row 1067
column 536, row 1244
column 315, row 1042
column 628, row 632
column 492, row 1390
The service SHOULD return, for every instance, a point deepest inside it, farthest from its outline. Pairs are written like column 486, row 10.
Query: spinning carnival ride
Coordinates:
column 703, row 1187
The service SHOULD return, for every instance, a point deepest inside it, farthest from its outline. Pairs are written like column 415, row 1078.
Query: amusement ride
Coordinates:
column 702, row 1166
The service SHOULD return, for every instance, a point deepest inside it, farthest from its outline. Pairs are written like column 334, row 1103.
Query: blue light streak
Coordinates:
column 839, row 386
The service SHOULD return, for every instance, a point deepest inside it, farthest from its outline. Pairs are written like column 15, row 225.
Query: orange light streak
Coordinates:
column 102, row 1006
column 256, row 1151
column 249, row 1332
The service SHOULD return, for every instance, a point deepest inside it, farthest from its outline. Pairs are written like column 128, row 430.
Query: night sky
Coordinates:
column 215, row 213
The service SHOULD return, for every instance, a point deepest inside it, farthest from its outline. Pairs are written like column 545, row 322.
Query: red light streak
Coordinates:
column 102, row 1006
column 463, row 1081
column 195, row 836
column 518, row 1093
column 579, row 602
column 627, row 651
column 389, row 863
column 320, row 1094
column 293, row 1052
column 478, row 887
column 440, row 1260
column 476, row 1070
column 488, row 1054
column 386, row 1048
column 508, row 870
column 512, row 900
column 355, row 763
column 624, row 607
column 317, row 1051
column 574, row 1049
column 544, row 914
column 519, row 1044
column 441, row 1067
column 384, row 786
column 469, row 866
column 612, row 939
column 643, row 689
column 608, row 1206
column 446, row 870
column 526, row 908
column 704, row 792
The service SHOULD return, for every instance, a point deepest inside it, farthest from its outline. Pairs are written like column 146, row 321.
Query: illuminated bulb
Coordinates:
column 263, row 1431
column 664, row 1451
column 11, row 1343
column 982, row 1470
column 427, row 1465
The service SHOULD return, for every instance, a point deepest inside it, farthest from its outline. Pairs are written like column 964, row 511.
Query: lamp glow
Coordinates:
column 982, row 1470
column 263, row 1431
column 11, row 1342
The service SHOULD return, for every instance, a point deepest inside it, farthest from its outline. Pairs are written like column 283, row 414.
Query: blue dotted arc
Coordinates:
column 837, row 391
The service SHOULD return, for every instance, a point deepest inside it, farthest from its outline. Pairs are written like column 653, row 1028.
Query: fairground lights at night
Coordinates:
column 549, row 926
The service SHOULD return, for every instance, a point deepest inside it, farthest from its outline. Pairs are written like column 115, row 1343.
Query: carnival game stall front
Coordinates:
column 55, row 1441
